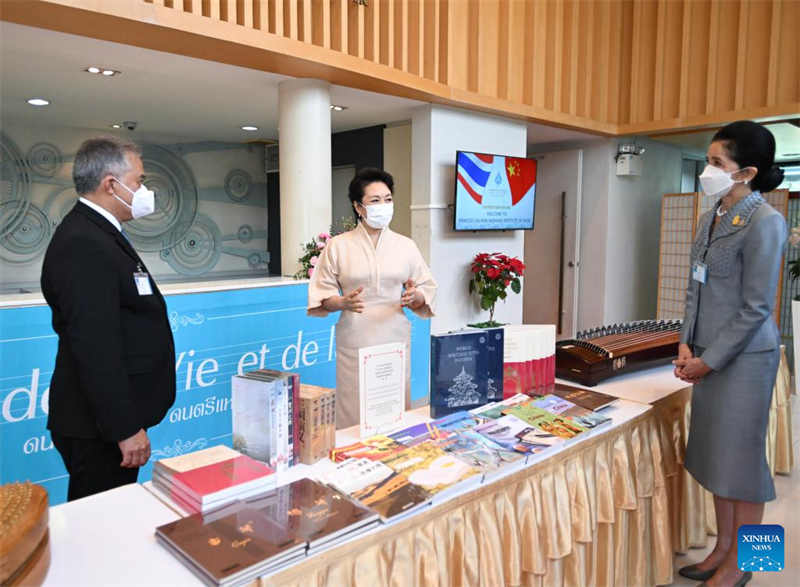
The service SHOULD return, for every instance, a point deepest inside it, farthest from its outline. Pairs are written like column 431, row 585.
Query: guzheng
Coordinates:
column 600, row 353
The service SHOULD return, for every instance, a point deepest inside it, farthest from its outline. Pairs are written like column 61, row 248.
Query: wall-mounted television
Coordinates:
column 494, row 192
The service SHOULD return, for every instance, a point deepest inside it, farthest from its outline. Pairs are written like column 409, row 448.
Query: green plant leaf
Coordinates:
column 515, row 286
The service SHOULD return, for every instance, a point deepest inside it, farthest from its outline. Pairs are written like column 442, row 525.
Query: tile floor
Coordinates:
column 785, row 510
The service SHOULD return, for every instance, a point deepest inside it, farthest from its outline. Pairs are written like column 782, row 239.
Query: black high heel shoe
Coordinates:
column 695, row 574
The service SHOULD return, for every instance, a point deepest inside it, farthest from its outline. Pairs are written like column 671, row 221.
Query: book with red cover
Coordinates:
column 229, row 477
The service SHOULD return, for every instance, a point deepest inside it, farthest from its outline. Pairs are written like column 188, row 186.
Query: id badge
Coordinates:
column 700, row 272
column 142, row 281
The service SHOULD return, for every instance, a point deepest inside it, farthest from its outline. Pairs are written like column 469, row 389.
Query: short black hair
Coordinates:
column 752, row 145
column 363, row 178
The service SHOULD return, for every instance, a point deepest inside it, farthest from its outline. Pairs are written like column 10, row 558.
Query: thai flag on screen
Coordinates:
column 473, row 173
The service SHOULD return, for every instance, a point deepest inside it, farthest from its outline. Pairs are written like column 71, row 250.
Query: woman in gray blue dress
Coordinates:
column 730, row 343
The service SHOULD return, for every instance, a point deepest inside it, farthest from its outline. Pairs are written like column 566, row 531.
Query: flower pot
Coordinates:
column 796, row 341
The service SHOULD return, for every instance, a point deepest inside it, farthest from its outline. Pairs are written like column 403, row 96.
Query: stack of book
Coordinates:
column 231, row 546
column 466, row 370
column 529, row 359
column 211, row 478
column 317, row 423
column 265, row 405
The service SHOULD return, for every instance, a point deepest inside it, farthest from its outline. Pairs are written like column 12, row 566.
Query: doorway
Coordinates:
column 552, row 249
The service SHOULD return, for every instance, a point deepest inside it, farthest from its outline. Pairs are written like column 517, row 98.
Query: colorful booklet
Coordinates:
column 379, row 487
column 430, row 467
column 508, row 432
column 458, row 422
column 543, row 420
column 419, row 433
column 565, row 408
column 478, row 451
column 375, row 448
column 498, row 409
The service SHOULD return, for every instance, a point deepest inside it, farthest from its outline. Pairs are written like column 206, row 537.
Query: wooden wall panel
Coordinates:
column 608, row 66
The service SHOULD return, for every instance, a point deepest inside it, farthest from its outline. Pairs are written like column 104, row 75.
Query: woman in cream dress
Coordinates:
column 369, row 274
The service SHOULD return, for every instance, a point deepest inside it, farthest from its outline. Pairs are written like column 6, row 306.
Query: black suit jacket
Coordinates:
column 115, row 368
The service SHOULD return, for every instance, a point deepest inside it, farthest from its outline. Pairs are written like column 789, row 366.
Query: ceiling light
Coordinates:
column 38, row 102
column 93, row 69
column 337, row 108
column 109, row 72
column 116, row 126
column 250, row 128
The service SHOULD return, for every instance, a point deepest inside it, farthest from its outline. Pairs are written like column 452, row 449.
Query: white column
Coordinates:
column 304, row 145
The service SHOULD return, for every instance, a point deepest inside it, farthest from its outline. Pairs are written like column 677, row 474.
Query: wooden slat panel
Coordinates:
column 723, row 58
column 343, row 24
column 602, row 57
column 503, row 60
column 387, row 33
column 686, row 45
column 637, row 65
column 757, row 57
column 473, row 55
column 539, row 56
column 195, row 7
column 420, row 20
column 261, row 14
column 305, row 30
column 575, row 55
column 401, row 34
column 647, row 61
column 788, row 89
column 661, row 40
column 626, row 62
column 355, row 27
column 741, row 56
column 339, row 25
column 290, row 18
column 372, row 32
column 774, row 56
column 444, row 41
column 586, row 65
column 487, row 35
column 431, row 43
column 248, row 13
column 414, row 36
column 277, row 17
column 713, row 53
column 518, row 50
column 557, row 49
column 317, row 22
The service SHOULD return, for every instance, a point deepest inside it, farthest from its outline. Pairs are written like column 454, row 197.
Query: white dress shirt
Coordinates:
column 102, row 211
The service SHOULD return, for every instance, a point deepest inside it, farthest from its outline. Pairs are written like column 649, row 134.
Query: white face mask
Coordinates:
column 379, row 215
column 716, row 182
column 143, row 203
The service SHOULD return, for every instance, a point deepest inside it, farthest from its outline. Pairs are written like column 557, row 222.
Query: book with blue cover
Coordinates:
column 459, row 372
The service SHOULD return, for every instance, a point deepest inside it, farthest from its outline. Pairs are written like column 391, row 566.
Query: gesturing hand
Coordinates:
column 135, row 450
column 354, row 302
column 412, row 297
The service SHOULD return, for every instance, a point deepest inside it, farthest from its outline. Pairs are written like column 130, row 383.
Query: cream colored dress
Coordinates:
column 350, row 261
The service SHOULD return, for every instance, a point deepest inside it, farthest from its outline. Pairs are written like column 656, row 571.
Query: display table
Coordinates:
column 108, row 539
column 692, row 507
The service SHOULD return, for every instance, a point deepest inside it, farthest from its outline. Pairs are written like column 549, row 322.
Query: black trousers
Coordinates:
column 93, row 465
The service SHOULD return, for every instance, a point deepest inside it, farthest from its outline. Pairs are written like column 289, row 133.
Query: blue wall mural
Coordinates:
column 217, row 334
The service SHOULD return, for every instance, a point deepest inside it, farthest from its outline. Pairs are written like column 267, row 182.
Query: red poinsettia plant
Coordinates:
column 492, row 274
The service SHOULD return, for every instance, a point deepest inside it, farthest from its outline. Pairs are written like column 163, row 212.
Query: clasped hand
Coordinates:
column 689, row 368
column 135, row 450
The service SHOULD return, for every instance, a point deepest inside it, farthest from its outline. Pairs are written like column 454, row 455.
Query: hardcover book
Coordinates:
column 586, row 398
column 430, row 467
column 313, row 512
column 459, row 372
column 217, row 481
column 230, row 545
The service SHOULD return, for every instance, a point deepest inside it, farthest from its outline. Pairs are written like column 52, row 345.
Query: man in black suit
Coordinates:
column 115, row 370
